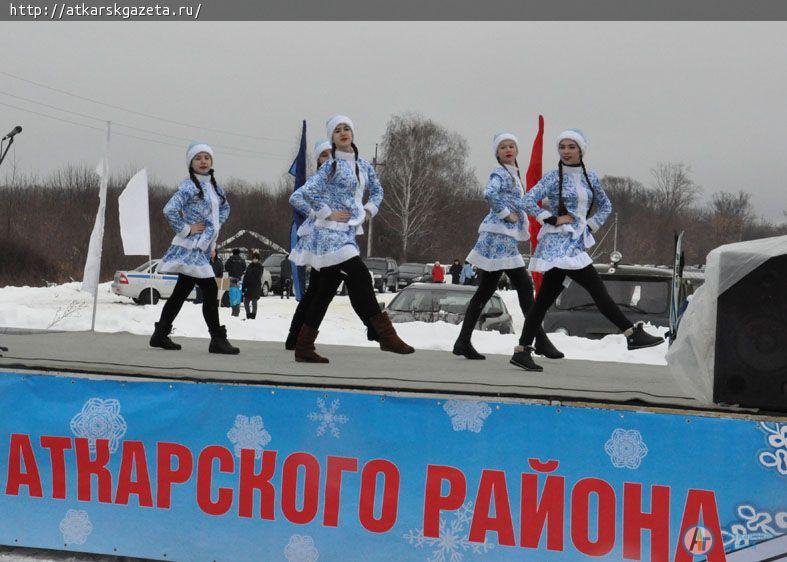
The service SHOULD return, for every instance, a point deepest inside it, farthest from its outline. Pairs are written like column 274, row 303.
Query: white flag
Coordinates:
column 134, row 218
column 93, row 262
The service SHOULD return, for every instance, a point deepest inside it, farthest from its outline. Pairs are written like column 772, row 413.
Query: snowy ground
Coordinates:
column 65, row 307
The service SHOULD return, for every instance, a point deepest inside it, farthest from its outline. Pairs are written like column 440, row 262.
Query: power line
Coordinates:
column 103, row 120
column 51, row 117
column 119, row 133
column 149, row 116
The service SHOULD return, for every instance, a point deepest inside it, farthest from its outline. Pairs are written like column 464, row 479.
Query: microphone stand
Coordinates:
column 2, row 157
column 4, row 152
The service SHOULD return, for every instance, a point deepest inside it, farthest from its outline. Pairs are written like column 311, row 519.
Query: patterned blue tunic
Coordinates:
column 324, row 242
column 189, row 254
column 497, row 247
column 565, row 246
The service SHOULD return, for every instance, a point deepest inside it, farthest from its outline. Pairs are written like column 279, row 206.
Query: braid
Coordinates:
column 216, row 187
column 357, row 171
column 561, row 203
column 196, row 182
column 518, row 174
column 509, row 171
column 333, row 161
column 590, row 186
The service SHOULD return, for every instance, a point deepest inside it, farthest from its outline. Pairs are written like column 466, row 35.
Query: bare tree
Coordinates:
column 674, row 189
column 730, row 214
column 423, row 161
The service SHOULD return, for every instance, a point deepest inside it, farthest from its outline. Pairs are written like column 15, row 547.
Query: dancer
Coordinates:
column 196, row 212
column 568, row 195
column 321, row 153
column 335, row 196
column 497, row 248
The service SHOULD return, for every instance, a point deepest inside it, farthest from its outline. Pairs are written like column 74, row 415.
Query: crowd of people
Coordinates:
column 569, row 203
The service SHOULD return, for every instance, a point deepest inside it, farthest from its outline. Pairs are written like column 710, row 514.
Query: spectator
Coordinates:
column 217, row 264
column 285, row 277
column 455, row 271
column 218, row 272
column 252, row 286
column 468, row 274
column 438, row 273
column 235, row 265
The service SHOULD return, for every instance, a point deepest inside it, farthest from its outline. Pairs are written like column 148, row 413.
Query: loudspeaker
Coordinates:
column 751, row 338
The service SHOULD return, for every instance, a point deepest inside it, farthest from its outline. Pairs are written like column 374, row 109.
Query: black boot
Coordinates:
column 160, row 337
column 371, row 333
column 640, row 339
column 462, row 346
column 545, row 347
column 219, row 343
column 524, row 360
column 292, row 339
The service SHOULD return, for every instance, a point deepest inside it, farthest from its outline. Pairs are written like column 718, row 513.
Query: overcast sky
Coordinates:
column 712, row 95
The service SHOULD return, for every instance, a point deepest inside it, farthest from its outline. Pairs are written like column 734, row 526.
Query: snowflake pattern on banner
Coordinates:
column 754, row 526
column 301, row 549
column 249, row 433
column 467, row 415
column 328, row 418
column 75, row 526
column 626, row 448
column 776, row 457
column 100, row 419
column 452, row 543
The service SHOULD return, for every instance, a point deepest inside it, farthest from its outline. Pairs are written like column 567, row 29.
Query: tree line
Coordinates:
column 432, row 207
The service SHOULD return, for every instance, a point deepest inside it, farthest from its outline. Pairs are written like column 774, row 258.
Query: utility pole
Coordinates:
column 375, row 163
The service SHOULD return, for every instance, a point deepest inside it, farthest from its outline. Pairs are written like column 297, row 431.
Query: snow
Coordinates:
column 65, row 307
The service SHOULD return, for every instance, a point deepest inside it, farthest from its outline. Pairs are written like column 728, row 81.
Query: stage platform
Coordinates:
column 354, row 368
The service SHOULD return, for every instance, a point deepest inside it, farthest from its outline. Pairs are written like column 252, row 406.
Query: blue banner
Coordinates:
column 298, row 171
column 185, row 471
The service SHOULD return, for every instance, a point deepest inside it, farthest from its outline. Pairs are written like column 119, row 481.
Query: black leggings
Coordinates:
column 210, row 293
column 359, row 287
column 311, row 292
column 487, row 287
column 551, row 286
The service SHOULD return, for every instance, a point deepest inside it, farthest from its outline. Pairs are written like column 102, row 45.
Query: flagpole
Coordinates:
column 104, row 179
column 150, row 246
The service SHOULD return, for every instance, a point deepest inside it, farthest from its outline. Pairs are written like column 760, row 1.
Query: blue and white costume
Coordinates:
column 324, row 242
column 497, row 247
column 565, row 246
column 189, row 253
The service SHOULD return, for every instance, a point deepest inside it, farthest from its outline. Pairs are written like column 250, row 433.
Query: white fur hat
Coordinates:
column 336, row 120
column 575, row 135
column 320, row 146
column 500, row 137
column 194, row 149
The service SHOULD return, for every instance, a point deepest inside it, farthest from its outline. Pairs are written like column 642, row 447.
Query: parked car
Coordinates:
column 144, row 286
column 272, row 264
column 431, row 302
column 642, row 292
column 384, row 272
column 410, row 273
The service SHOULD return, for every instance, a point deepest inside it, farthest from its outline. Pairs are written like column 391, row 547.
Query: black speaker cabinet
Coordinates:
column 751, row 338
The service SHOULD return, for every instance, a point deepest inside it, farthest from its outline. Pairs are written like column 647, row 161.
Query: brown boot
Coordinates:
column 304, row 347
column 386, row 333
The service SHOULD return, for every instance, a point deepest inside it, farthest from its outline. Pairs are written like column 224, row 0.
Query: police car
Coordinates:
column 144, row 286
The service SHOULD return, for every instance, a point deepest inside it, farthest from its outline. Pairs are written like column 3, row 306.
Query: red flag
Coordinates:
column 531, row 179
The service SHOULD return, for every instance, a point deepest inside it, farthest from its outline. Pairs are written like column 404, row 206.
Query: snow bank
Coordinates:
column 65, row 307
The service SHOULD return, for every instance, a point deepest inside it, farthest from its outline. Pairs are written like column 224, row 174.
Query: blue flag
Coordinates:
column 298, row 170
